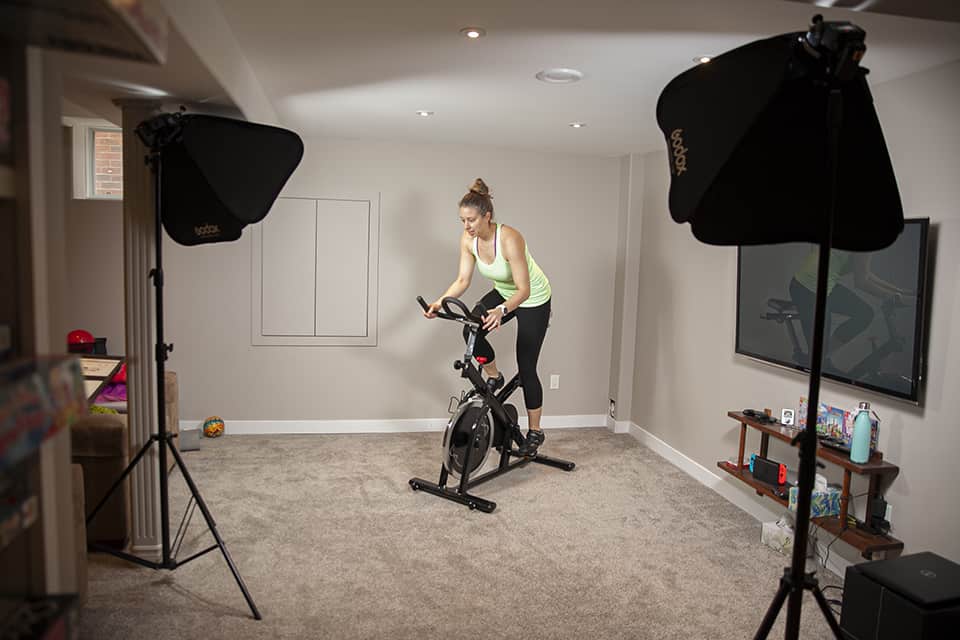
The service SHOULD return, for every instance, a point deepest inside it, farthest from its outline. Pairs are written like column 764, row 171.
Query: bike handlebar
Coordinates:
column 460, row 314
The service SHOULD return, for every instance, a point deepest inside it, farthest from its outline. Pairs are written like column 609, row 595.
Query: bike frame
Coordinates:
column 495, row 402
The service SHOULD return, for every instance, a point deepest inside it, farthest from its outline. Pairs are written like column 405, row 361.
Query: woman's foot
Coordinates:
column 531, row 443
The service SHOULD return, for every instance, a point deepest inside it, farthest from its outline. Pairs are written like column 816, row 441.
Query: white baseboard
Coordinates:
column 733, row 491
column 413, row 425
column 618, row 426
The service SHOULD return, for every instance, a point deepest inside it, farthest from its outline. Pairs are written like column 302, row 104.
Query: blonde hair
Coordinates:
column 478, row 197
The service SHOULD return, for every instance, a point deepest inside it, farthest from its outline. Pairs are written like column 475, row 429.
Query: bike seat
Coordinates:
column 783, row 306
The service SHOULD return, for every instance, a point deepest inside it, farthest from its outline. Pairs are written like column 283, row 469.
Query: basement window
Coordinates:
column 97, row 159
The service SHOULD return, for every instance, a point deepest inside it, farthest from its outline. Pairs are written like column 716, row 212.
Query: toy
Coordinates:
column 80, row 341
column 213, row 427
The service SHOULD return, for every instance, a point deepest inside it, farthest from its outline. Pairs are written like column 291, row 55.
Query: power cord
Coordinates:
column 833, row 601
column 844, row 526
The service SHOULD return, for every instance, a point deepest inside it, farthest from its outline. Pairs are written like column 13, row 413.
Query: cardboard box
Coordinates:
column 822, row 503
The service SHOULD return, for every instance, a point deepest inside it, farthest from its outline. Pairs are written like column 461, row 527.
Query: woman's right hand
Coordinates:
column 432, row 310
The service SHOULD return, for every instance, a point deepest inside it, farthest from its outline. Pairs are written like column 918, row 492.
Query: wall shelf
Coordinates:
column 876, row 468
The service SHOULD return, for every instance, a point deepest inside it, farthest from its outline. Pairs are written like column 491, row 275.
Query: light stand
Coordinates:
column 790, row 149
column 795, row 579
column 155, row 138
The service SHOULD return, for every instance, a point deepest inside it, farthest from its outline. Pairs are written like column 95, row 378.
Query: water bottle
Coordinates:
column 862, row 427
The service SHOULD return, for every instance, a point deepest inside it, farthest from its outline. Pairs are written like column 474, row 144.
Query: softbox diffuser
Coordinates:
column 219, row 175
column 746, row 137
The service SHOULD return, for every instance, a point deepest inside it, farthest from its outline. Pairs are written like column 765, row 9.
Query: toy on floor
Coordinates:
column 213, row 427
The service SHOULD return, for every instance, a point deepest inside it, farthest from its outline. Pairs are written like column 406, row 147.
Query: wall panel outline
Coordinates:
column 314, row 272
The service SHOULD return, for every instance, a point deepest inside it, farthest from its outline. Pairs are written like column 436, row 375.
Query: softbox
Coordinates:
column 746, row 138
column 219, row 175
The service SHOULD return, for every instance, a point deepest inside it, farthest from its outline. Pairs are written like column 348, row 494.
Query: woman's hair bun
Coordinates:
column 479, row 186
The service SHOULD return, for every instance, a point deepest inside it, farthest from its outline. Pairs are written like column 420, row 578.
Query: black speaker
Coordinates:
column 915, row 596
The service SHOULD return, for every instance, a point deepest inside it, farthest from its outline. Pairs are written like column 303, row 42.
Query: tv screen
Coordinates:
column 875, row 310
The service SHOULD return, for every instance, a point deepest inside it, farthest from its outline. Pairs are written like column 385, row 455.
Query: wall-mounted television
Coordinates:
column 875, row 310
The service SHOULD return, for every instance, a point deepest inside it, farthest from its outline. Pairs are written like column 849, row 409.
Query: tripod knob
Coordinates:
column 457, row 365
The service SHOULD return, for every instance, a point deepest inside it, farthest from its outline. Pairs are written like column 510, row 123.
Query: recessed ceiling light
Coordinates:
column 702, row 59
column 578, row 125
column 559, row 75
column 424, row 114
column 473, row 32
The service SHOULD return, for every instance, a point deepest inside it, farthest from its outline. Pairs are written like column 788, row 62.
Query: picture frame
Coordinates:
column 97, row 371
column 787, row 417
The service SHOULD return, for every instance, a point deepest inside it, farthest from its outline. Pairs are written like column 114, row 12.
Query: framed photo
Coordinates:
column 786, row 417
column 97, row 371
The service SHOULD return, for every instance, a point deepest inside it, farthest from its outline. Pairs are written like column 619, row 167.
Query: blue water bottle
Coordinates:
column 862, row 427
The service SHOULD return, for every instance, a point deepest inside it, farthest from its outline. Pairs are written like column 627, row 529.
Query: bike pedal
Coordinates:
column 495, row 383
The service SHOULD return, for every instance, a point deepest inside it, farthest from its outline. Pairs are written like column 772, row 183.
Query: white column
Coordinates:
column 139, row 237
column 627, row 305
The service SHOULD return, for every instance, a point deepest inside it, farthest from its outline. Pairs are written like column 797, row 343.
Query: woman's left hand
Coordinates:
column 492, row 320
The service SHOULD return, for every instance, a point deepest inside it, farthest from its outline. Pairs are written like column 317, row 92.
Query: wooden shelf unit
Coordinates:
column 875, row 468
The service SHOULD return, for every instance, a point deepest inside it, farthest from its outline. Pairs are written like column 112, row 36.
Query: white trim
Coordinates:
column 411, row 425
column 732, row 491
column 369, row 338
column 618, row 426
column 147, row 551
column 90, row 123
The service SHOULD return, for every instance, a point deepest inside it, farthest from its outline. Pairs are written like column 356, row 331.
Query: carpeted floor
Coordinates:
column 333, row 543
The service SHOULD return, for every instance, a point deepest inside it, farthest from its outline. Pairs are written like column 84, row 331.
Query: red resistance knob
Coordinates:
column 482, row 360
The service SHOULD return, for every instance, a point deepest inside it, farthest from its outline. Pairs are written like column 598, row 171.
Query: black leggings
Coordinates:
column 531, row 329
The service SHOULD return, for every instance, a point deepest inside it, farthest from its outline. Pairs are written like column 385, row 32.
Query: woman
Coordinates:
column 841, row 299
column 520, row 290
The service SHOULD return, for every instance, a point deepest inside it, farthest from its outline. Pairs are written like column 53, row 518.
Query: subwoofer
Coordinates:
column 915, row 596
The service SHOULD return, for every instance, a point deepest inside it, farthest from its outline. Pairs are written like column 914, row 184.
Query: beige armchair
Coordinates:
column 101, row 447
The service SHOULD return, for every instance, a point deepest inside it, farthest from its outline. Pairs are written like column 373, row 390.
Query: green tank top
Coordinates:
column 500, row 273
column 807, row 274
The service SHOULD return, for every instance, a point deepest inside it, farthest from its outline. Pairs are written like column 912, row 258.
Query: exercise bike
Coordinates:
column 482, row 421
column 869, row 368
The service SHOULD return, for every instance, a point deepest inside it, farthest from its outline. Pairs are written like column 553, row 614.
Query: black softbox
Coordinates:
column 746, row 137
column 219, row 175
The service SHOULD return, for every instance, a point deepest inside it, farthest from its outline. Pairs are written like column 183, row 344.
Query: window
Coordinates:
column 97, row 158
column 107, row 163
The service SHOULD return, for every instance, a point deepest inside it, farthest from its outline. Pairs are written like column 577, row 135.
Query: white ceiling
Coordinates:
column 91, row 83
column 362, row 69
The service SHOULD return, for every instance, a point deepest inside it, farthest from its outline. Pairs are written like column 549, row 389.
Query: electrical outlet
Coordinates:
column 613, row 408
column 554, row 381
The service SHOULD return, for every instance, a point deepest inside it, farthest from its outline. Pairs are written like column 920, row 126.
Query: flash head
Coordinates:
column 839, row 46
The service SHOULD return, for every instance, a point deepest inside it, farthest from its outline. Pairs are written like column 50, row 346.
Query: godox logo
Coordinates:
column 679, row 152
column 206, row 230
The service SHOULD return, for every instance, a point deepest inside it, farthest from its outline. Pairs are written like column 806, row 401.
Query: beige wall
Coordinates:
column 94, row 264
column 687, row 376
column 566, row 206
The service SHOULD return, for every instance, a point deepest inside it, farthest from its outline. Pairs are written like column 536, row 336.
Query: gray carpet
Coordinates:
column 333, row 543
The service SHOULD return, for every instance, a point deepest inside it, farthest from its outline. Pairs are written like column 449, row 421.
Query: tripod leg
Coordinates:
column 827, row 612
column 774, row 609
column 213, row 529
column 119, row 481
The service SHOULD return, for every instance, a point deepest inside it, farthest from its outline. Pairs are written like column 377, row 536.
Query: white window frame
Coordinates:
column 82, row 130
